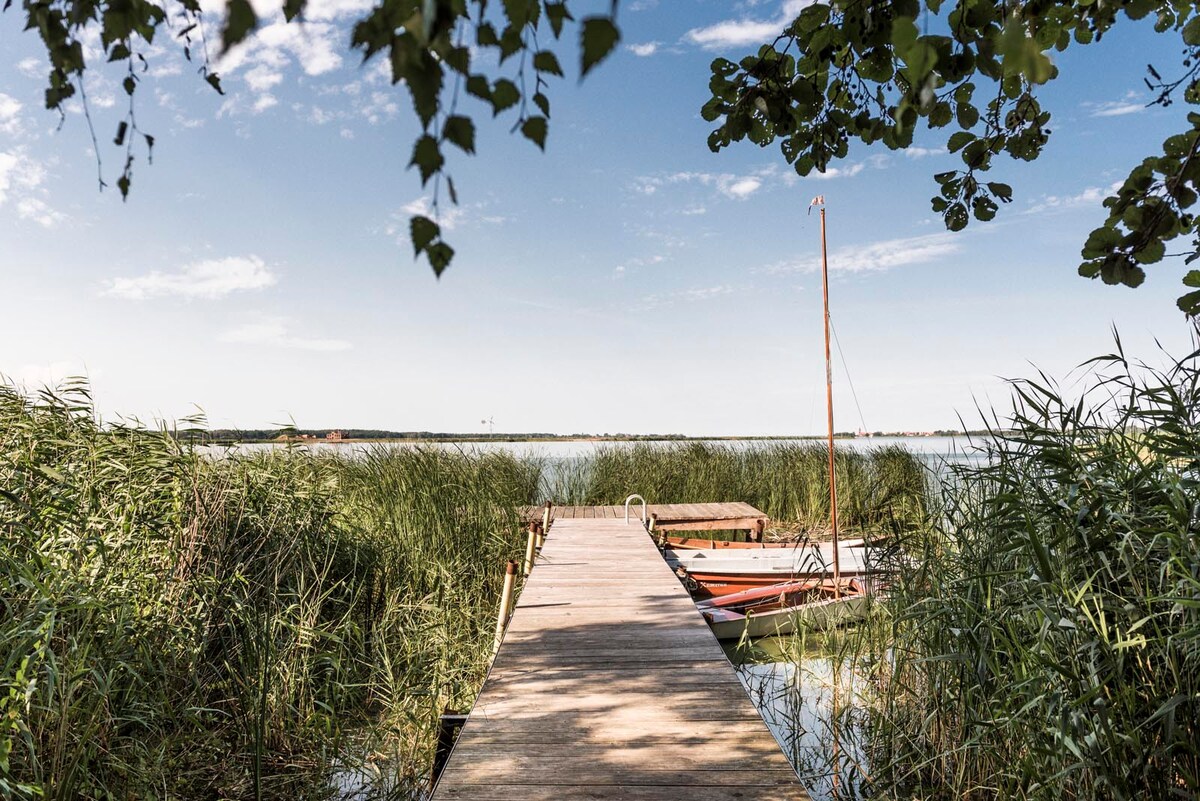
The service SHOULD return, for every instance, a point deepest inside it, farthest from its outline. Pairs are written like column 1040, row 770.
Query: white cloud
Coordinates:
column 1116, row 109
column 214, row 278
column 924, row 152
column 644, row 49
column 264, row 102
column 32, row 68
column 741, row 32
column 262, row 78
column 849, row 171
column 1091, row 196
column 737, row 187
column 10, row 111
column 876, row 256
column 1130, row 103
column 30, row 208
column 742, row 187
column 276, row 332
column 448, row 216
column 19, row 174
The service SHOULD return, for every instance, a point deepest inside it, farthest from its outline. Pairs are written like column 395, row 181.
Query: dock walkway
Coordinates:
column 671, row 516
column 609, row 685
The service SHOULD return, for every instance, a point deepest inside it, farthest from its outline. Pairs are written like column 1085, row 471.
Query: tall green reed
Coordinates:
column 1044, row 637
column 880, row 489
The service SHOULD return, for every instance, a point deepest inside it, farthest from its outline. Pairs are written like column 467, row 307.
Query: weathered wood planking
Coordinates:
column 735, row 516
column 609, row 685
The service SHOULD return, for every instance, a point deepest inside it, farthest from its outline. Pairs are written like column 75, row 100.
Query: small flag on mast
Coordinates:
column 819, row 200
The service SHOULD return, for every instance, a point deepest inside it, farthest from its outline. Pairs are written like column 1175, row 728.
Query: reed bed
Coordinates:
column 881, row 490
column 173, row 626
column 1041, row 639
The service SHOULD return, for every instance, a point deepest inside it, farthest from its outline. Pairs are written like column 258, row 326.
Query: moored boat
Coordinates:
column 698, row 544
column 785, row 608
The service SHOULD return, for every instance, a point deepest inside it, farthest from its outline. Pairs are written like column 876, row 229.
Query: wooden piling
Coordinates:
column 506, row 599
column 546, row 519
column 530, row 545
column 540, row 531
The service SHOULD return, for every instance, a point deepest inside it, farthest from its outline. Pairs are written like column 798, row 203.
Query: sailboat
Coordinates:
column 748, row 587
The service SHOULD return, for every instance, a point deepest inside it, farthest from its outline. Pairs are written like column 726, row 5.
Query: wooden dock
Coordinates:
column 671, row 516
column 609, row 685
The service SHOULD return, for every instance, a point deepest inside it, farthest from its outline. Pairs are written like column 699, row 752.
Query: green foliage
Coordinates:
column 881, row 490
column 425, row 41
column 874, row 72
column 1045, row 637
column 179, row 626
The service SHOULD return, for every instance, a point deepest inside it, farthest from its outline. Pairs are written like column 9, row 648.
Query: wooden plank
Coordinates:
column 609, row 685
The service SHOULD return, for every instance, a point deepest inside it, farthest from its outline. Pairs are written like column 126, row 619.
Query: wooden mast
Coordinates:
column 837, row 573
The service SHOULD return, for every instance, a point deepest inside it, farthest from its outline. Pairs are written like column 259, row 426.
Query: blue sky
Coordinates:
column 626, row 280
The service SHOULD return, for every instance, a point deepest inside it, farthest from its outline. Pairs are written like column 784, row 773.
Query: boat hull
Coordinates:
column 812, row 616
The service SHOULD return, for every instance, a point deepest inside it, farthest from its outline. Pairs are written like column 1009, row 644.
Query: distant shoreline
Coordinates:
column 321, row 438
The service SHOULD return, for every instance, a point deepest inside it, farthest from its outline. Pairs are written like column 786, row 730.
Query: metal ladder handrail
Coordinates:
column 628, row 501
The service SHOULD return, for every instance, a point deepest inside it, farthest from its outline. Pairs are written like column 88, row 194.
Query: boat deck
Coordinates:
column 733, row 516
column 610, row 685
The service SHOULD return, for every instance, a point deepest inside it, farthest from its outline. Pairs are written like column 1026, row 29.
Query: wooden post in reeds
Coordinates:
column 530, row 545
column 662, row 540
column 546, row 519
column 759, row 527
column 540, row 531
column 506, row 599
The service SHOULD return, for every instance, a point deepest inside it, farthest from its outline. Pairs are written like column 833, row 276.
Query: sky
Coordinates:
column 626, row 280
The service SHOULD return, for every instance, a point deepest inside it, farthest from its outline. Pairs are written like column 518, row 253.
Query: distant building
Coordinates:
column 335, row 436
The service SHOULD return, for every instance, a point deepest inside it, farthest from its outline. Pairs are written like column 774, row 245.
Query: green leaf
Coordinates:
column 423, row 231
column 1192, row 279
column 534, row 130
column 504, row 95
column 439, row 256
column 960, row 140
column 1190, row 303
column 240, row 21
column 598, row 36
column 293, row 9
column 461, row 131
column 427, row 156
column 546, row 61
column 477, row 85
column 1002, row 191
column 556, row 13
column 130, row 84
column 119, row 52
column 543, row 103
column 214, row 81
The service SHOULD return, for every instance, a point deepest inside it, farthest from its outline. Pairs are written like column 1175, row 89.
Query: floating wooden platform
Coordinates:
column 735, row 516
column 609, row 685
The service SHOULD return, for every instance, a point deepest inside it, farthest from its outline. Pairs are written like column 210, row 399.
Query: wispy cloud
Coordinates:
column 31, row 208
column 644, row 49
column 745, row 31
column 276, row 332
column 737, row 187
column 1130, row 103
column 10, row 114
column 876, row 256
column 1091, row 196
column 211, row 279
column 924, row 152
column 694, row 295
column 849, row 171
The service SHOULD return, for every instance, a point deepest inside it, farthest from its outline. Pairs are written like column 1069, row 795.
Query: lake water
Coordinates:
column 958, row 448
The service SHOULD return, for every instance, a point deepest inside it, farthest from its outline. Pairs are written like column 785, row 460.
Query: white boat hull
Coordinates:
column 813, row 616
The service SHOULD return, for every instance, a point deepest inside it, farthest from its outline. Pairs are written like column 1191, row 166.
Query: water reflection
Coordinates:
column 812, row 703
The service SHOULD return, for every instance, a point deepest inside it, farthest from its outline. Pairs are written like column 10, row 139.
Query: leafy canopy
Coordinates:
column 875, row 71
column 843, row 70
column 435, row 48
